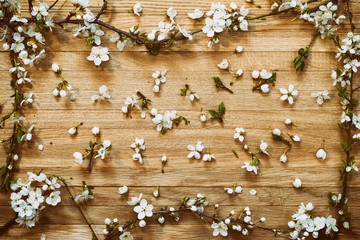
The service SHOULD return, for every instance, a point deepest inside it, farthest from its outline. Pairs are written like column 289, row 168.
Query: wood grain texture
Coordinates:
column 270, row 45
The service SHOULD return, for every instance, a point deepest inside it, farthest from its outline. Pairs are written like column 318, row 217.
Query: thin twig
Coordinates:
column 53, row 5
column 7, row 225
column 78, row 207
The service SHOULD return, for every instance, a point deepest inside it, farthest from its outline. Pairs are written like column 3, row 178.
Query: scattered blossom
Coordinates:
column 98, row 54
column 297, row 183
column 197, row 14
column 137, row 9
column 103, row 94
column 321, row 96
column 288, row 94
column 195, row 150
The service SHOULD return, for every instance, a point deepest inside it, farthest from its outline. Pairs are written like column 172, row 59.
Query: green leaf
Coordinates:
column 91, row 144
column 19, row 134
column 235, row 153
column 170, row 43
column 221, row 108
column 183, row 91
column 214, row 114
column 2, row 170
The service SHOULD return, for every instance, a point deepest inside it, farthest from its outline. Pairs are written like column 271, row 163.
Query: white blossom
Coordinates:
column 103, row 94
column 219, row 227
column 224, row 64
column 196, row 14
column 239, row 134
column 78, row 157
column 144, row 209
column 321, row 154
column 288, row 94
column 123, row 190
column 195, row 150
column 297, row 183
column 263, row 147
column 137, row 9
column 98, row 54
column 321, row 96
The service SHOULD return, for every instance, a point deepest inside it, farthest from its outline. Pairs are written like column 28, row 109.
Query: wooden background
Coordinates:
column 270, row 45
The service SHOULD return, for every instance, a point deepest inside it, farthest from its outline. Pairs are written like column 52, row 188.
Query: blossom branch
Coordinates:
column 7, row 225
column 71, row 196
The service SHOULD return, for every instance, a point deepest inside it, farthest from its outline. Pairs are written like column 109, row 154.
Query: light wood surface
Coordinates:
column 270, row 45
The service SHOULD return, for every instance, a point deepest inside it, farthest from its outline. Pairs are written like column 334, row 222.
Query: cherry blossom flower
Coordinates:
column 263, row 148
column 103, row 94
column 321, row 96
column 195, row 150
column 126, row 236
column 137, row 9
column 27, row 99
column 297, row 183
column 219, row 227
column 321, row 154
column 98, row 54
column 78, row 157
column 224, row 64
column 250, row 167
column 135, row 200
column 239, row 134
column 288, row 94
column 144, row 209
column 123, row 190
column 196, row 14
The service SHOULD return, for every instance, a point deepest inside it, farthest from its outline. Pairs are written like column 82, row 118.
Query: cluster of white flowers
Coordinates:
column 120, row 41
column 264, row 78
column 349, row 53
column 288, row 94
column 138, row 146
column 321, row 96
column 103, row 94
column 63, row 86
column 245, row 218
column 159, row 78
column 102, row 148
column 164, row 122
column 20, row 74
column 196, row 205
column 165, row 28
column 253, row 165
column 304, row 224
column 129, row 103
column 323, row 18
column 114, row 224
column 30, row 197
column 233, row 190
column 91, row 31
column 195, row 152
column 143, row 210
column 220, row 18
column 239, row 134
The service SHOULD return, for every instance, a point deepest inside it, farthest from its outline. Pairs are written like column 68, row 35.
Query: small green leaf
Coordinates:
column 235, row 153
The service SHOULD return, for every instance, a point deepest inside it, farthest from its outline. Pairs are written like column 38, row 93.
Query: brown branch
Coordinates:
column 78, row 207
column 7, row 225
column 53, row 5
column 102, row 10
